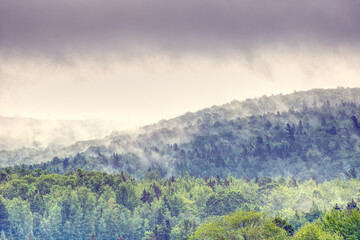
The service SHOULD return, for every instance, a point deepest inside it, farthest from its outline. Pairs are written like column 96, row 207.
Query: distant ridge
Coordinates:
column 237, row 128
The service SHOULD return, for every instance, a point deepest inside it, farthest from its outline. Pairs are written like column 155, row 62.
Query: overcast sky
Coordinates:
column 146, row 60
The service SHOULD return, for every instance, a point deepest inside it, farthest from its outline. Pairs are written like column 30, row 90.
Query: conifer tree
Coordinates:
column 3, row 236
column 351, row 174
column 4, row 218
column 92, row 236
column 30, row 236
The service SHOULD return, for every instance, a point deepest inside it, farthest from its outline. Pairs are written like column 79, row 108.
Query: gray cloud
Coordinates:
column 174, row 26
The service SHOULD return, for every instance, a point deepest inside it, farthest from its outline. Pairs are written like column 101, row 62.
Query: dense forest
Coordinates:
column 279, row 167
column 35, row 204
column 316, row 141
column 246, row 130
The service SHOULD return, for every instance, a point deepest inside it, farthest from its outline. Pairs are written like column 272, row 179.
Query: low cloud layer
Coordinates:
column 187, row 26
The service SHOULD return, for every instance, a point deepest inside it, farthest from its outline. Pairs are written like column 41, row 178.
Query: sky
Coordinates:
column 141, row 61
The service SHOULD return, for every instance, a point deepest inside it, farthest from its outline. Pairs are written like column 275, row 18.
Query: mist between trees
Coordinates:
column 35, row 204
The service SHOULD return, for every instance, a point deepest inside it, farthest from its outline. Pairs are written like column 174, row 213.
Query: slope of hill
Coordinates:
column 303, row 134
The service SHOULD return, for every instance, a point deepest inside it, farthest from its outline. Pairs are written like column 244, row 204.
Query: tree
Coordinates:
column 87, row 203
column 71, row 213
column 293, row 182
column 37, row 205
column 352, row 206
column 290, row 132
column 344, row 223
column 50, row 226
column 162, row 232
column 183, row 229
column 2, row 236
column 146, row 197
column 126, row 195
column 92, row 236
column 20, row 218
column 314, row 231
column 356, row 123
column 224, row 202
column 282, row 223
column 314, row 214
column 30, row 236
column 351, row 174
column 157, row 190
column 246, row 225
column 4, row 217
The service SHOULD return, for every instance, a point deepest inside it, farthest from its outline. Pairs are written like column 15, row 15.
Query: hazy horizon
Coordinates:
column 131, row 124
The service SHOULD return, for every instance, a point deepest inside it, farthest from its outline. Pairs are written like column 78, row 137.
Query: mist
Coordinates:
column 18, row 132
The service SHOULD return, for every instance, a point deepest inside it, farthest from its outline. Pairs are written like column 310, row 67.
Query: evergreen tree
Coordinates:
column 4, row 217
column 146, row 197
column 337, row 207
column 293, row 182
column 290, row 133
column 92, row 236
column 37, row 205
column 30, row 236
column 126, row 196
column 20, row 218
column 87, row 203
column 351, row 174
column 3, row 236
column 282, row 223
column 352, row 206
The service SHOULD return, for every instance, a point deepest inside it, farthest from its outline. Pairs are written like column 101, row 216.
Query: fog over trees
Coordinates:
column 277, row 167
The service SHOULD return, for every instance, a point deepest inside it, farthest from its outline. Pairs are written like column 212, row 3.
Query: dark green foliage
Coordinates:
column 37, row 205
column 282, row 223
column 146, row 197
column 157, row 190
column 162, row 231
column 92, row 236
column 351, row 206
column 4, row 221
column 126, row 196
column 351, row 174
column 343, row 222
column 183, row 229
column 356, row 124
column 72, row 206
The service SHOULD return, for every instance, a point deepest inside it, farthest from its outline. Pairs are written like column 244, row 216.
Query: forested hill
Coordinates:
column 304, row 134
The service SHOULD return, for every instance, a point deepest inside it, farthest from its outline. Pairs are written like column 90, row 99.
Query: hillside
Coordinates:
column 303, row 134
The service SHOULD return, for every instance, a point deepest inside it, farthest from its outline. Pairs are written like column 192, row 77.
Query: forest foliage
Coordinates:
column 321, row 141
column 300, row 134
column 280, row 167
column 35, row 204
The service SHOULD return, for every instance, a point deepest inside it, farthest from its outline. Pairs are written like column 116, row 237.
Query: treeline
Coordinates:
column 35, row 204
column 317, row 141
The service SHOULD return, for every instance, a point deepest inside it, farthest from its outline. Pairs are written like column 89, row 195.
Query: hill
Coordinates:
column 304, row 134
